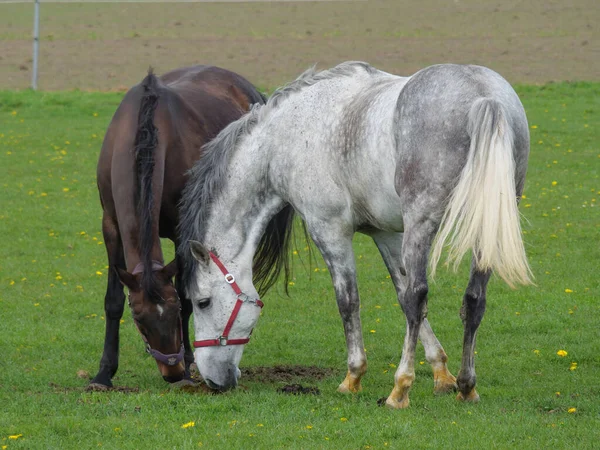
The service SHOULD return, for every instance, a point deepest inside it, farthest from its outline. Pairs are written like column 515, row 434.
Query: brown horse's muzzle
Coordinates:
column 171, row 374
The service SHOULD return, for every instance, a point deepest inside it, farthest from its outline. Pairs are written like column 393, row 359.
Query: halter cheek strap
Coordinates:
column 241, row 299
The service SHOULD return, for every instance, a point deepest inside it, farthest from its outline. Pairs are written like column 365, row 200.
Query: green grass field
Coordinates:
column 53, row 274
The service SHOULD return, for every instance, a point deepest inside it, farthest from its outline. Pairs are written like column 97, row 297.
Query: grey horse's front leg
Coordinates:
column 336, row 248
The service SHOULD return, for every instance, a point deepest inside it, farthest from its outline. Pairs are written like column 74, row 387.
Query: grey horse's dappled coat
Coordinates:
column 357, row 149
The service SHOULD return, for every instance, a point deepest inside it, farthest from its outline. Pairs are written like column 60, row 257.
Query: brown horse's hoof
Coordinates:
column 182, row 383
column 97, row 387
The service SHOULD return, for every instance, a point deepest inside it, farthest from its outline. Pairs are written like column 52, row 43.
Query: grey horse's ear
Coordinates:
column 199, row 252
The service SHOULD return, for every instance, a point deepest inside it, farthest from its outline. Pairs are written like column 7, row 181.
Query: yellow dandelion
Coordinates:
column 421, row 362
column 291, row 283
column 537, row 352
column 43, row 194
column 568, row 291
column 66, row 189
column 95, row 114
column 523, row 196
column 554, row 183
column 259, row 425
column 562, row 353
column 98, row 272
column 188, row 425
column 343, row 419
column 533, row 127
column 12, row 282
column 572, row 410
column 372, row 331
column 573, row 366
column 36, row 304
column 309, row 427
column 557, row 393
column 15, row 436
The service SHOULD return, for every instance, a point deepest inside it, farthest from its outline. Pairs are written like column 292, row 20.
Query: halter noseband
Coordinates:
column 241, row 299
column 171, row 359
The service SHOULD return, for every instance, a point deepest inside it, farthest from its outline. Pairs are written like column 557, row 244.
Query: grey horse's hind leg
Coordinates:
column 390, row 247
column 471, row 313
column 336, row 248
column 415, row 249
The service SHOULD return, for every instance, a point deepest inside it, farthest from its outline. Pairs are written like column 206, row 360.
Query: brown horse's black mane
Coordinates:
column 146, row 140
column 177, row 94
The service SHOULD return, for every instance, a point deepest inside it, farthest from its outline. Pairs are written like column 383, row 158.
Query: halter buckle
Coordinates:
column 223, row 340
column 229, row 278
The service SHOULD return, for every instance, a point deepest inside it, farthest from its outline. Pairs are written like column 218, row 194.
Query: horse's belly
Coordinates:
column 381, row 211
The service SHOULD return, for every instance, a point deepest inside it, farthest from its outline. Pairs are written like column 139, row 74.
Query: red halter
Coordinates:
column 241, row 298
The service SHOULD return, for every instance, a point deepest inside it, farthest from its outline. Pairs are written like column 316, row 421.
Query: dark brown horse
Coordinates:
column 153, row 139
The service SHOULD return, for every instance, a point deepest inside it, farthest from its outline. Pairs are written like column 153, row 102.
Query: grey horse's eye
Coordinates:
column 205, row 302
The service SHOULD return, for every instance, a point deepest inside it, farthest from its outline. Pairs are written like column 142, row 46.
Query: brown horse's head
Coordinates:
column 156, row 311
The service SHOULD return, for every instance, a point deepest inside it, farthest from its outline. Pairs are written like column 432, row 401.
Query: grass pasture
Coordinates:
column 53, row 274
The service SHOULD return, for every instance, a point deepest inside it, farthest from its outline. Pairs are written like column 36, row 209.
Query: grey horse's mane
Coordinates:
column 206, row 178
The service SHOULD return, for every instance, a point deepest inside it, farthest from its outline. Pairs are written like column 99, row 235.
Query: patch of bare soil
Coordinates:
column 109, row 46
column 277, row 374
column 93, row 387
column 298, row 389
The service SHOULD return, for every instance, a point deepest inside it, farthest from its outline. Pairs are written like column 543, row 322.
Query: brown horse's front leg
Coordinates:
column 114, row 304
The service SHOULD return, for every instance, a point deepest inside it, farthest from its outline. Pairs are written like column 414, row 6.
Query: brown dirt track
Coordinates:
column 96, row 46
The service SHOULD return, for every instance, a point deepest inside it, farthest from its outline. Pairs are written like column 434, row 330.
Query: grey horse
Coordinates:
column 418, row 163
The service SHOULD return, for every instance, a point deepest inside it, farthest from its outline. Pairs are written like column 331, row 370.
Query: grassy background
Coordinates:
column 53, row 274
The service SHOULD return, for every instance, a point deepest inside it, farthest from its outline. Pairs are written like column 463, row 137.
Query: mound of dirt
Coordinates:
column 297, row 389
column 94, row 387
column 277, row 374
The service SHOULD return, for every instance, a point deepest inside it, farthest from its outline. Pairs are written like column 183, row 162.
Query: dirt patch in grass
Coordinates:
column 100, row 388
column 298, row 389
column 278, row 374
column 109, row 46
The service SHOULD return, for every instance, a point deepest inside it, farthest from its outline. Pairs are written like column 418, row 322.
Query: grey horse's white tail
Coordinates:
column 482, row 213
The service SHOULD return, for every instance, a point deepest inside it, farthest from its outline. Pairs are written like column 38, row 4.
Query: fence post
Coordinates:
column 36, row 43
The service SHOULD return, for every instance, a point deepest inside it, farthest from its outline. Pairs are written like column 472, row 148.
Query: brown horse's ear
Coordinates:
column 170, row 270
column 127, row 279
column 199, row 252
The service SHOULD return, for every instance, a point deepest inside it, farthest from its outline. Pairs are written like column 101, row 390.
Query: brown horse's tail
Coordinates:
column 146, row 141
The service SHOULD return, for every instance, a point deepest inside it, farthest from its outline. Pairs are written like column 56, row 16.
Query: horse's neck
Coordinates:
column 243, row 208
